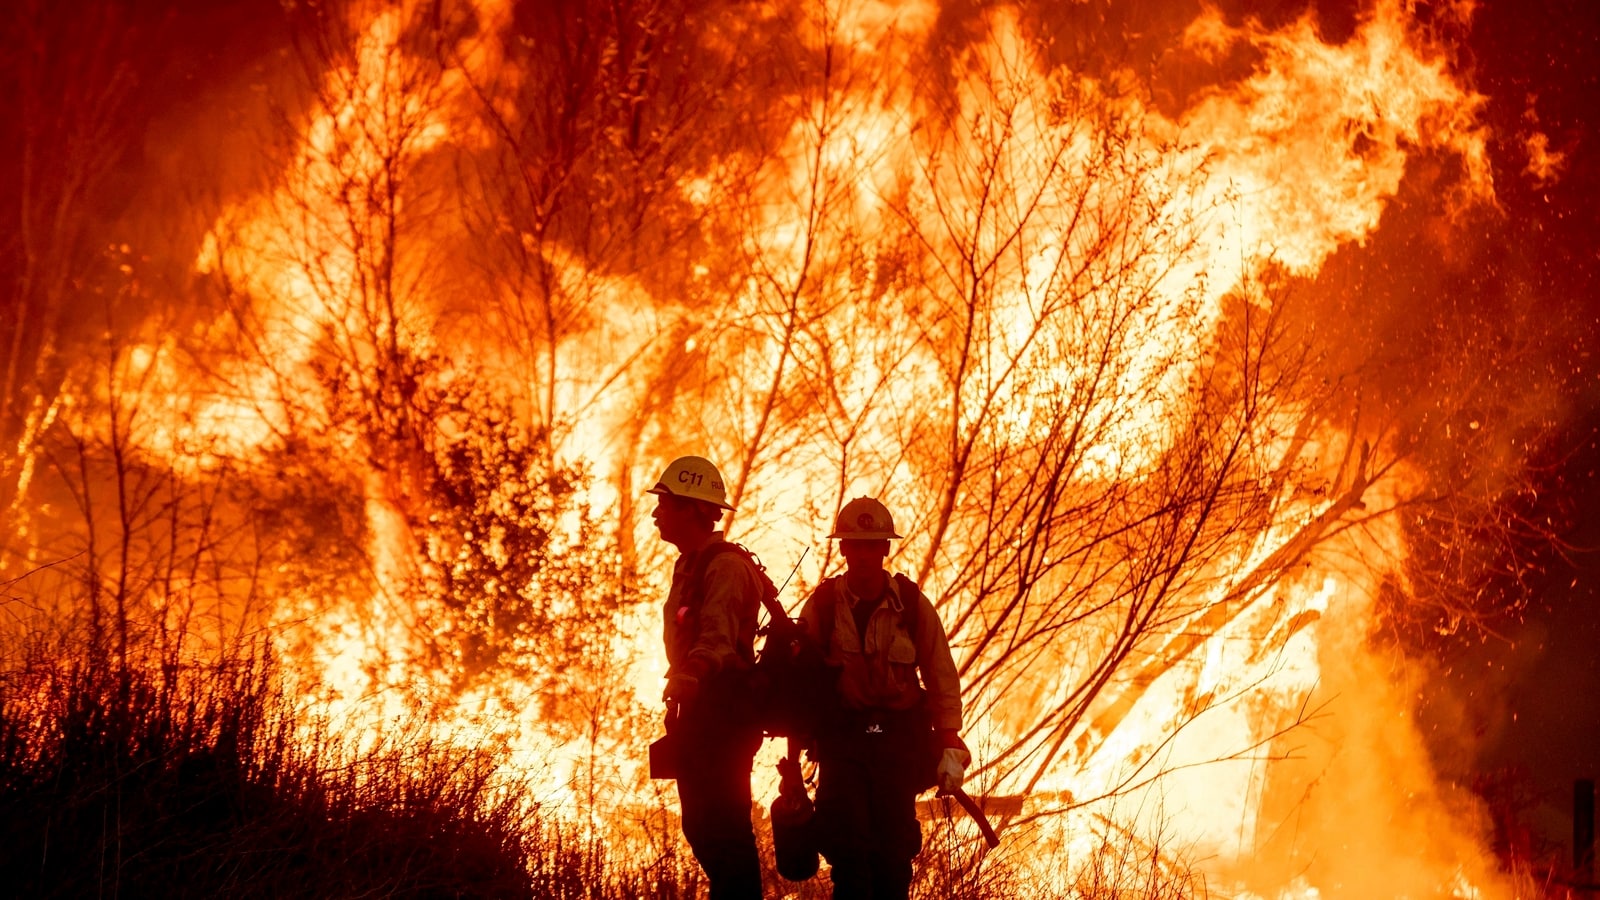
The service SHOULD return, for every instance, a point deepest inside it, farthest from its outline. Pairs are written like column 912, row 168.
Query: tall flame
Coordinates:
column 952, row 268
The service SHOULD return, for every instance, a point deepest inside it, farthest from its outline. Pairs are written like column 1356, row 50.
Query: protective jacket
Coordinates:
column 714, row 632
column 879, row 664
column 710, row 632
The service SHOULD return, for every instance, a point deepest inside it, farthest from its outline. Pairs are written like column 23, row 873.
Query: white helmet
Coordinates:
column 693, row 477
column 864, row 519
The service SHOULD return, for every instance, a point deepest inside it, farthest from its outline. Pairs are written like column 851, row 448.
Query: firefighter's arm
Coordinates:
column 944, row 696
column 938, row 670
column 731, row 596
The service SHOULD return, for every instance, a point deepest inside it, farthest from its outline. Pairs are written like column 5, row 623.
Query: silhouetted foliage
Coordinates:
column 197, row 783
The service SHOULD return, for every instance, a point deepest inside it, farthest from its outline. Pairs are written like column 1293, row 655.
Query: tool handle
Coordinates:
column 971, row 806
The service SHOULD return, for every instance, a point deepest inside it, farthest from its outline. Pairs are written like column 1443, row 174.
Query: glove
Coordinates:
column 681, row 689
column 952, row 769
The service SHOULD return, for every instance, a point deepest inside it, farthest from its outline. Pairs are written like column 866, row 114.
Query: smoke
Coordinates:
column 741, row 232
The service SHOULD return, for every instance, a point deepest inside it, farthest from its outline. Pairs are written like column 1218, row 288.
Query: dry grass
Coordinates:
column 197, row 783
column 203, row 783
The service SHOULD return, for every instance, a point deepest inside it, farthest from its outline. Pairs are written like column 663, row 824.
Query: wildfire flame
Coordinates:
column 945, row 274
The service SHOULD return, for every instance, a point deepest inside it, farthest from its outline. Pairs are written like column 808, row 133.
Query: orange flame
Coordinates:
column 1036, row 205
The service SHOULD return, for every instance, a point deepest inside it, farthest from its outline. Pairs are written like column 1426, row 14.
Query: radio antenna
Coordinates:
column 803, row 552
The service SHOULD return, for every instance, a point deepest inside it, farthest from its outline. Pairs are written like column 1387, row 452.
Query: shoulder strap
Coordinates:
column 697, row 578
column 827, row 604
column 910, row 608
column 695, row 597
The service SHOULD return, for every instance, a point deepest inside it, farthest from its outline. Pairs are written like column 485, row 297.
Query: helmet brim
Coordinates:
column 662, row 490
column 864, row 536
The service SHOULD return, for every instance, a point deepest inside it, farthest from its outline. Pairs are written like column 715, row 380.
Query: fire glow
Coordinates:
column 1055, row 327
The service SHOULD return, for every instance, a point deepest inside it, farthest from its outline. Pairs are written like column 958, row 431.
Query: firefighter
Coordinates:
column 710, row 627
column 896, row 729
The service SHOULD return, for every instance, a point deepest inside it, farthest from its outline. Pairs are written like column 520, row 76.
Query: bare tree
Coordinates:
column 481, row 560
column 114, row 547
column 505, row 254
column 1108, row 460
column 74, row 96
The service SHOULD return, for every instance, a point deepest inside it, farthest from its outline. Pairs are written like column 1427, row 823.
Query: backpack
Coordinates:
column 789, row 686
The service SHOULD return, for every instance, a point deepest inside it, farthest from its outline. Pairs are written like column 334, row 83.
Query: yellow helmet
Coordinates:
column 693, row 477
column 864, row 519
